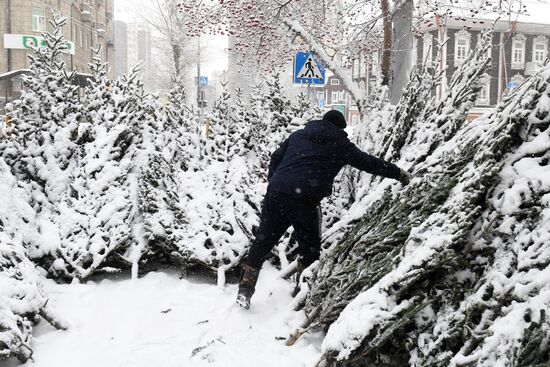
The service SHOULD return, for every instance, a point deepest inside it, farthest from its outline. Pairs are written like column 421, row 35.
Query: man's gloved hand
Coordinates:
column 405, row 177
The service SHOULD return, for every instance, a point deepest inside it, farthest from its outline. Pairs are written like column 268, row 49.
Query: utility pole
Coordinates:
column 386, row 50
column 401, row 57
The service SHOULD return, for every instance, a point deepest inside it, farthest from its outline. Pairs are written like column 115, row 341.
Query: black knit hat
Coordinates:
column 336, row 117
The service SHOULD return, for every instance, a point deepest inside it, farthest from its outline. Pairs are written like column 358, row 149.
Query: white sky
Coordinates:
column 214, row 58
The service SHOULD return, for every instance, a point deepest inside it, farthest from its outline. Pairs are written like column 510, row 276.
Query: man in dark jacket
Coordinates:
column 301, row 174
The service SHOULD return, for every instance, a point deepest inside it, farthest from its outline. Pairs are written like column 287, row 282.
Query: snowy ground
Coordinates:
column 162, row 321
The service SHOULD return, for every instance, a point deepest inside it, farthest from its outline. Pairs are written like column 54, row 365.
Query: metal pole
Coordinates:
column 198, row 70
column 8, row 20
column 9, row 81
column 200, row 102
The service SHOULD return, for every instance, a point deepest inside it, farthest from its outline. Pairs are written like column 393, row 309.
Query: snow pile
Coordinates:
column 162, row 320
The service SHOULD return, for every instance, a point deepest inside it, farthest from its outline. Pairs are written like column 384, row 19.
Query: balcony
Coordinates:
column 101, row 29
column 86, row 12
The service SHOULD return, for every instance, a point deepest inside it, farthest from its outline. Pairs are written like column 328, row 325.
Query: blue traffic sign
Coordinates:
column 512, row 85
column 203, row 81
column 307, row 69
column 321, row 103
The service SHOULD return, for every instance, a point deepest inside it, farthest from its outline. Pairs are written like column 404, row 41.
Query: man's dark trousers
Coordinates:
column 280, row 211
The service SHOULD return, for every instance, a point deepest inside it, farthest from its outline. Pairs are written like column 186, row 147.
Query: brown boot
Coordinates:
column 299, row 270
column 247, row 285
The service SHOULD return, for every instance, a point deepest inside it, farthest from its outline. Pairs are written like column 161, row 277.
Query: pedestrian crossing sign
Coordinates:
column 203, row 81
column 307, row 69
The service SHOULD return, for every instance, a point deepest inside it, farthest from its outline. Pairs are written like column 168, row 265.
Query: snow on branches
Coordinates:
column 22, row 299
column 430, row 275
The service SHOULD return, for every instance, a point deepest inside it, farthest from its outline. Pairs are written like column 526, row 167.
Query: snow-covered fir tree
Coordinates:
column 218, row 140
column 105, row 186
column 218, row 198
column 22, row 299
column 42, row 150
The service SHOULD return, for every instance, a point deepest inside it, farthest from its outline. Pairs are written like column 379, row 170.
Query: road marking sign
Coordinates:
column 203, row 81
column 307, row 69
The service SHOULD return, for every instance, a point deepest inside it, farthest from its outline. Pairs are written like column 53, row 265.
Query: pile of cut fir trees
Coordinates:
column 454, row 269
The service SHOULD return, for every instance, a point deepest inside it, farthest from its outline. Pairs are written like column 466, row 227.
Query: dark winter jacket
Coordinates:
column 306, row 163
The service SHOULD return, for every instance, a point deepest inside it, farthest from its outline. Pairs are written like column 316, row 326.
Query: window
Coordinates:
column 38, row 20
column 518, row 52
column 80, row 36
column 484, row 96
column 374, row 62
column 334, row 81
column 361, row 63
column 427, row 49
column 540, row 50
column 334, row 96
column 462, row 46
column 355, row 68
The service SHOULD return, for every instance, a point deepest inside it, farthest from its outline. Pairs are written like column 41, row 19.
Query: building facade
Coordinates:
column 333, row 95
column 518, row 50
column 139, row 50
column 121, row 48
column 89, row 23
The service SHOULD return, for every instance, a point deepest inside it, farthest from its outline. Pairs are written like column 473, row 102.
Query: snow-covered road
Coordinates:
column 162, row 321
